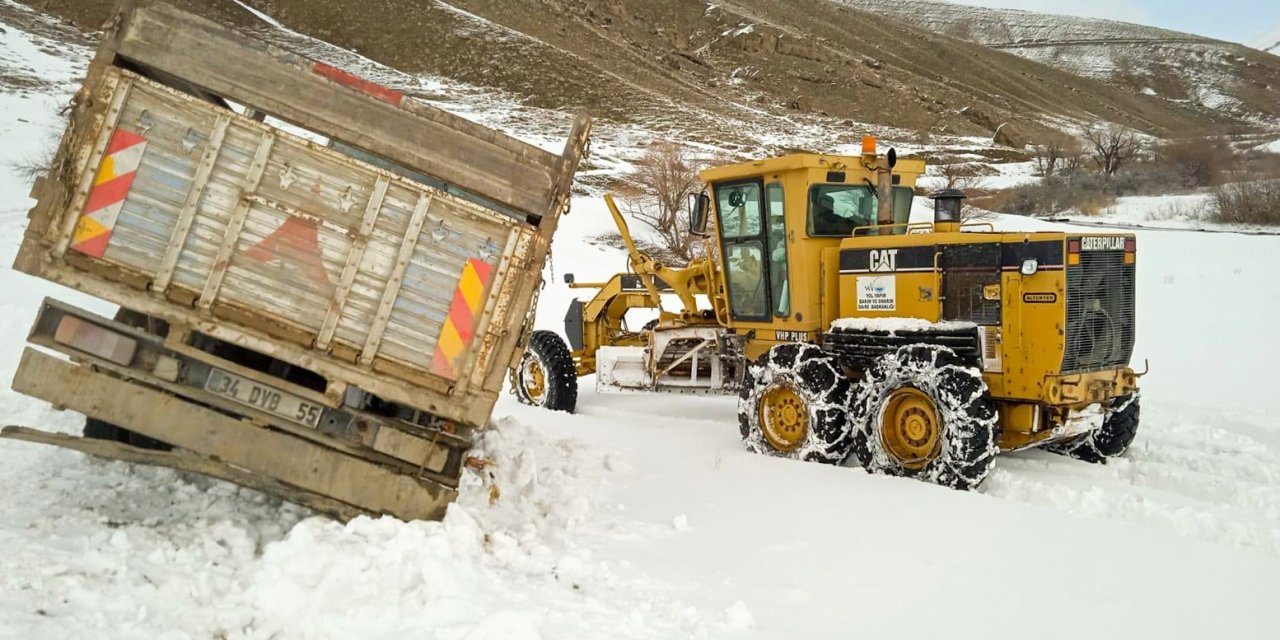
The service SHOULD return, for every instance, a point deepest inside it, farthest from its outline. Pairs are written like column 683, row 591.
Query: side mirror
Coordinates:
column 698, row 213
column 568, row 278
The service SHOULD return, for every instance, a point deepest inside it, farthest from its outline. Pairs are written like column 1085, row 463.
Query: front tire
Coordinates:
column 922, row 412
column 1111, row 440
column 546, row 376
column 794, row 404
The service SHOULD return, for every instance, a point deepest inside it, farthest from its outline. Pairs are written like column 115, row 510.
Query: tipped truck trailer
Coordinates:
column 324, row 310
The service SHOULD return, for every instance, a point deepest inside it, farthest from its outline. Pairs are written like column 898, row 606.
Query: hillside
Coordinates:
column 1180, row 68
column 747, row 74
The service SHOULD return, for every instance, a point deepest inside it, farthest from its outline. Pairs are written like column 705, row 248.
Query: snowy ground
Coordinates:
column 642, row 517
column 1181, row 212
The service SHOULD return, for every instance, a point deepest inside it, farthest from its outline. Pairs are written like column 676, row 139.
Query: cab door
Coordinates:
column 743, row 240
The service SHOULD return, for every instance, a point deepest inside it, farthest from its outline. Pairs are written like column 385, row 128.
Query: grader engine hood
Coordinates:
column 1074, row 318
column 1100, row 302
column 1054, row 311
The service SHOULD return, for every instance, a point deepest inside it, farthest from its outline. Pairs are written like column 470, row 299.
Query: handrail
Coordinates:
column 877, row 227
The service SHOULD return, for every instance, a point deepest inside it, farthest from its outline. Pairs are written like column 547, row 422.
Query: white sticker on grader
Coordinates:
column 877, row 293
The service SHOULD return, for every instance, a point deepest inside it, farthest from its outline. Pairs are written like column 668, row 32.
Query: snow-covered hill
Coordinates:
column 643, row 517
column 1178, row 67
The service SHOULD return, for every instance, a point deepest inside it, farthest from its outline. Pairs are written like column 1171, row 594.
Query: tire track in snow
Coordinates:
column 1197, row 481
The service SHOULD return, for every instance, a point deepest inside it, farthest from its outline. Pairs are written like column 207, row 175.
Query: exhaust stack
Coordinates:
column 947, row 205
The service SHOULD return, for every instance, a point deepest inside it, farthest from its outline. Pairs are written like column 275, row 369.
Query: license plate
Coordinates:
column 262, row 397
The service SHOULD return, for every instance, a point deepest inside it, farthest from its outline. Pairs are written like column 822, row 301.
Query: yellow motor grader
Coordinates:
column 853, row 335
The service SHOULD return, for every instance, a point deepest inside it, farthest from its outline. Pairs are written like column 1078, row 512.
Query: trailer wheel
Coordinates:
column 547, row 376
column 921, row 412
column 794, row 405
column 1111, row 440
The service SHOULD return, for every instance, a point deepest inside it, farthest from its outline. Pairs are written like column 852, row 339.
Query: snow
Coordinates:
column 1270, row 147
column 894, row 325
column 643, row 517
column 1186, row 211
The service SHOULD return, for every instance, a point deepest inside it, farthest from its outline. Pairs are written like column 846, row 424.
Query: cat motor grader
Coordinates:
column 853, row 335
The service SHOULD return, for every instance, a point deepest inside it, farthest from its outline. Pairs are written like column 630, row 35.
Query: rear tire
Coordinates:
column 921, row 412
column 546, row 376
column 794, row 404
column 1111, row 440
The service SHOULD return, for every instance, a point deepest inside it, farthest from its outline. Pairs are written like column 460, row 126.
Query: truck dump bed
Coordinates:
column 304, row 258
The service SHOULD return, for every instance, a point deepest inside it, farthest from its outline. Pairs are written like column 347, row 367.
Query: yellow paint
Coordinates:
column 784, row 418
column 106, row 172
column 910, row 430
column 471, row 287
column 450, row 342
column 87, row 229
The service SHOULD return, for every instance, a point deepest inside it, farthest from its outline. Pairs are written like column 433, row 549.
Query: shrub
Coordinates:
column 1197, row 162
column 1247, row 203
column 1086, row 193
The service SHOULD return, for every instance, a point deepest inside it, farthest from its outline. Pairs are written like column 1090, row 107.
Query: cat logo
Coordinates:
column 1102, row 243
column 884, row 259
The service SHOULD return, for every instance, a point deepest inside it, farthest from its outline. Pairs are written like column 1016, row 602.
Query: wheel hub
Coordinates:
column 533, row 379
column 784, row 418
column 911, row 430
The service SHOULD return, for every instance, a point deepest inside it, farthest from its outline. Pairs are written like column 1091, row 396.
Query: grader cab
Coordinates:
column 853, row 335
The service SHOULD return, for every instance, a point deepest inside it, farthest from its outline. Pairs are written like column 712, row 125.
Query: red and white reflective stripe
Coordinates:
column 111, row 186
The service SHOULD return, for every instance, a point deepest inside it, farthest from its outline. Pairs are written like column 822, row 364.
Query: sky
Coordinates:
column 1243, row 21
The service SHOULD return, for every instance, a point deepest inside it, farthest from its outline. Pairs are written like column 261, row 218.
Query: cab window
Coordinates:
column 778, row 283
column 740, row 208
column 836, row 210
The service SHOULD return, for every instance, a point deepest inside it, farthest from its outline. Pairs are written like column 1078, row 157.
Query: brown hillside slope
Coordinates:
column 710, row 71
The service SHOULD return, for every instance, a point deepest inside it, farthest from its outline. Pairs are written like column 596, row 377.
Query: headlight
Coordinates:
column 1029, row 267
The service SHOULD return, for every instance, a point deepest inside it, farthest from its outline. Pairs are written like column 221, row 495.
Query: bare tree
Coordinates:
column 1073, row 162
column 960, row 175
column 1111, row 147
column 1056, row 155
column 965, row 177
column 656, row 192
